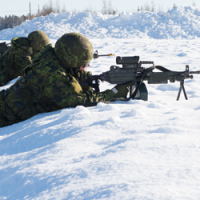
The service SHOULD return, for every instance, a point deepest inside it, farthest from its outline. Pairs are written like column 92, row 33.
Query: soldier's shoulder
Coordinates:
column 46, row 53
column 21, row 46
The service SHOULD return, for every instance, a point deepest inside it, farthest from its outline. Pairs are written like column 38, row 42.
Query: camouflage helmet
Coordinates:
column 73, row 50
column 38, row 40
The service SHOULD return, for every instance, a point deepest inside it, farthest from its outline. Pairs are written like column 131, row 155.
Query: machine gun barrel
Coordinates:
column 96, row 55
column 195, row 72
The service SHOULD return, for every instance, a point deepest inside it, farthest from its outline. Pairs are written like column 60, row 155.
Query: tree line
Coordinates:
column 12, row 20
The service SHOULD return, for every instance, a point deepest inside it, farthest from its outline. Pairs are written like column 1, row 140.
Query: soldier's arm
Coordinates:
column 72, row 95
column 62, row 88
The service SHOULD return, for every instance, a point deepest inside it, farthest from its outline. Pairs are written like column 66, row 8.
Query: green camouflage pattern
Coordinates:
column 38, row 40
column 73, row 50
column 46, row 86
column 14, row 59
column 20, row 55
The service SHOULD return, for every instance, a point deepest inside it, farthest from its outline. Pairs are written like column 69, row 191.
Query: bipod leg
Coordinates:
column 182, row 88
column 131, row 90
column 184, row 92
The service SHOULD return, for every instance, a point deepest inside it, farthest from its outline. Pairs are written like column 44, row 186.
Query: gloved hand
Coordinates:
column 83, row 75
column 122, row 90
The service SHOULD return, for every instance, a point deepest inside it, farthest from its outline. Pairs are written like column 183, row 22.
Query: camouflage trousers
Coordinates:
column 7, row 73
column 5, row 78
column 18, row 104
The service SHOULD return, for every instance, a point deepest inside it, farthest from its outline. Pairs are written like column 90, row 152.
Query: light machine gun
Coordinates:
column 132, row 71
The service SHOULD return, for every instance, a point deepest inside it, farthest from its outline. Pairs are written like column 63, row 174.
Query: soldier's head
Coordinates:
column 74, row 50
column 38, row 40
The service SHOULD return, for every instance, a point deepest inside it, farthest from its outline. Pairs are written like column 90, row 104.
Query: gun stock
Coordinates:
column 3, row 47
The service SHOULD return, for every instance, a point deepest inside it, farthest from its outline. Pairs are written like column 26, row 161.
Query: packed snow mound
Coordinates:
column 178, row 23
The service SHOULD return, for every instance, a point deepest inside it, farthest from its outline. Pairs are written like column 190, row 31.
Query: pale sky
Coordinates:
column 20, row 7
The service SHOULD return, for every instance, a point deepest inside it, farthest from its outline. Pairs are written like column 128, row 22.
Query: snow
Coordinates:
column 123, row 150
column 178, row 23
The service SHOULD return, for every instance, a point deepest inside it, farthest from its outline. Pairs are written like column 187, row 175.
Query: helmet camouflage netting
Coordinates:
column 73, row 50
column 38, row 40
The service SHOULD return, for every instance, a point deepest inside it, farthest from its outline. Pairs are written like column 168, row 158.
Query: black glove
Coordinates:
column 83, row 75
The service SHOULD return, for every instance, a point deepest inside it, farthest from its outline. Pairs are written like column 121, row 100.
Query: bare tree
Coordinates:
column 63, row 8
column 110, row 8
column 47, row 8
column 89, row 9
column 174, row 6
column 51, row 5
column 57, row 6
column 115, row 11
column 146, row 7
column 104, row 8
column 152, row 6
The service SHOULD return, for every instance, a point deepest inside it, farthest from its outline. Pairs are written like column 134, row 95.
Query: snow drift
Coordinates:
column 181, row 22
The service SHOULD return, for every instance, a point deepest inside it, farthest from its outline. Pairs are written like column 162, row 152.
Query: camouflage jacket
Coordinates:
column 14, row 59
column 47, row 78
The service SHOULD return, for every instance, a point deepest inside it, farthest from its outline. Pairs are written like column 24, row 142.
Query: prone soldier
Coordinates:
column 20, row 54
column 49, row 83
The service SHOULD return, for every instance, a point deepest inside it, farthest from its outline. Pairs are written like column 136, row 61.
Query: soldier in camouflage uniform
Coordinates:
column 49, row 84
column 20, row 54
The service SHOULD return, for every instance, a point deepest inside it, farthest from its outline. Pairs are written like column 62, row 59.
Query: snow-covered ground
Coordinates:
column 131, row 150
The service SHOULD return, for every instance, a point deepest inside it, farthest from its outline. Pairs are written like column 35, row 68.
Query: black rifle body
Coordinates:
column 132, row 71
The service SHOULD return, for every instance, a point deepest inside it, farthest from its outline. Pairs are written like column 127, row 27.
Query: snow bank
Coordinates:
column 181, row 22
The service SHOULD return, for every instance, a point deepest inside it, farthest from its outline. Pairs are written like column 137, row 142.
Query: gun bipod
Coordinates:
column 180, row 89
